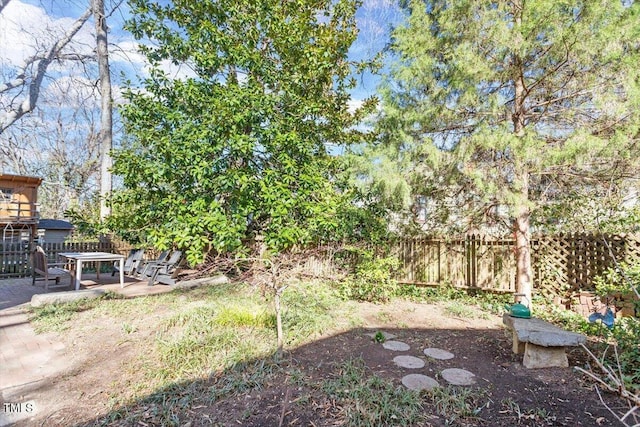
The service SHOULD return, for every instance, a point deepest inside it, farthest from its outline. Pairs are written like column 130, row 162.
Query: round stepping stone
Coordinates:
column 437, row 353
column 458, row 376
column 410, row 362
column 419, row 382
column 396, row 345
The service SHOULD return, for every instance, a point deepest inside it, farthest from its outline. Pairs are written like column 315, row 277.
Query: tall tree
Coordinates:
column 106, row 106
column 505, row 104
column 235, row 147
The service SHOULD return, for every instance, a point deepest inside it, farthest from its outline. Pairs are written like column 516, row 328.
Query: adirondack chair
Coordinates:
column 165, row 272
column 130, row 264
column 144, row 266
column 48, row 270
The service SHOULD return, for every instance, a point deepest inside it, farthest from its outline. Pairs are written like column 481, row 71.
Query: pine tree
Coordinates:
column 508, row 104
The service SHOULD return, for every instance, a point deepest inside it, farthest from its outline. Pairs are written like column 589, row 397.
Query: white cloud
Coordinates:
column 354, row 104
column 26, row 29
column 72, row 92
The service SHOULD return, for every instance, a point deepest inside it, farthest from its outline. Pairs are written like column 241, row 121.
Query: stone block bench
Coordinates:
column 542, row 343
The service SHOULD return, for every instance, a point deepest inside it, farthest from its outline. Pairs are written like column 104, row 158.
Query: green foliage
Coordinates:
column 372, row 280
column 379, row 337
column 457, row 404
column 619, row 282
column 86, row 221
column 626, row 334
column 238, row 148
column 498, row 110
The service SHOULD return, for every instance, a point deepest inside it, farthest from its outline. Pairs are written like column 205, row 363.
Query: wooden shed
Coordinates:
column 18, row 207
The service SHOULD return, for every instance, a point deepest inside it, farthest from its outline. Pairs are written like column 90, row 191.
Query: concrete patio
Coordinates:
column 15, row 292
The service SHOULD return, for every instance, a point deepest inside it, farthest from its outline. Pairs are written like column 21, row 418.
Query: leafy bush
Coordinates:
column 627, row 335
column 372, row 280
column 619, row 284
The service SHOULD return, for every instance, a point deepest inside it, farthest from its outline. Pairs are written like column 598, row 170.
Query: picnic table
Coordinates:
column 79, row 257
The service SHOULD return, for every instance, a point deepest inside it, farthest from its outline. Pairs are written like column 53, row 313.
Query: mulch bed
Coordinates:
column 511, row 394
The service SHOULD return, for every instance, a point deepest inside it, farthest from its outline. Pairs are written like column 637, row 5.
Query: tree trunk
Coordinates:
column 524, row 272
column 521, row 179
column 106, row 121
column 279, row 321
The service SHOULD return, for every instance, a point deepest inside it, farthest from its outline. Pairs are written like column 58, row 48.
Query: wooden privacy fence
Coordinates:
column 470, row 262
column 562, row 264
column 14, row 257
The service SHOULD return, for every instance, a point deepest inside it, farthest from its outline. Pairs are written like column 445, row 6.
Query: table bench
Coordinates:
column 542, row 343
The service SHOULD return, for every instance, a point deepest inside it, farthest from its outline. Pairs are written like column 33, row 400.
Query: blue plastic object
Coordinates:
column 607, row 318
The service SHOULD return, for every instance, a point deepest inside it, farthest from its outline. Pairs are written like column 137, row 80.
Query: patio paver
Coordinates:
column 28, row 360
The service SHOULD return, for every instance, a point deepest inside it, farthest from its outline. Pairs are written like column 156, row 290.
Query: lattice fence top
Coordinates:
column 568, row 263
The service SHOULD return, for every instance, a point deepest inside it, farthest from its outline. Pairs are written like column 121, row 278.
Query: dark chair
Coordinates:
column 131, row 263
column 165, row 272
column 146, row 265
column 48, row 270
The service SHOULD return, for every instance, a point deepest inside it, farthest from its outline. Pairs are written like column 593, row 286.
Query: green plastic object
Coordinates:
column 518, row 310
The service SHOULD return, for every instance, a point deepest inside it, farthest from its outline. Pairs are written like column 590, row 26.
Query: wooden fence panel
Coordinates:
column 471, row 262
column 569, row 263
column 15, row 259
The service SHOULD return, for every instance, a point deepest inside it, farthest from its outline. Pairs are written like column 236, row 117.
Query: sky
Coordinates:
column 27, row 24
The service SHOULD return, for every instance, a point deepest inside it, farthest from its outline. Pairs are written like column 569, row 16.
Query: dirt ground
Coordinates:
column 509, row 395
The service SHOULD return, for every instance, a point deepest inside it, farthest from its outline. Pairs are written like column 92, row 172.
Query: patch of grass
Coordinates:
column 198, row 343
column 162, row 408
column 243, row 378
column 465, row 311
column 364, row 399
column 460, row 310
column 237, row 316
column 486, row 301
column 128, row 328
column 223, row 331
column 384, row 316
column 540, row 415
column 57, row 317
column 310, row 309
column 458, row 403
column 296, row 377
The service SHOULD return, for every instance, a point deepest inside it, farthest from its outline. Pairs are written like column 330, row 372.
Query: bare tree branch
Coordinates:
column 3, row 3
column 27, row 105
column 616, row 385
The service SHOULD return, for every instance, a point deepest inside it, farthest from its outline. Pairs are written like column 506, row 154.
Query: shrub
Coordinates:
column 618, row 284
column 372, row 280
